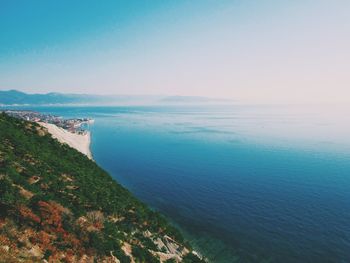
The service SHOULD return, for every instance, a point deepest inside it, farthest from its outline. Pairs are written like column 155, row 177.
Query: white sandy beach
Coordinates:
column 77, row 141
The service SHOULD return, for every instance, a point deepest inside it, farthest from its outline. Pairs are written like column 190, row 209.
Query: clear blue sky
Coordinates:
column 247, row 50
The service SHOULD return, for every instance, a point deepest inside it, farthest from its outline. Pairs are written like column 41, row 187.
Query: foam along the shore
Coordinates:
column 80, row 142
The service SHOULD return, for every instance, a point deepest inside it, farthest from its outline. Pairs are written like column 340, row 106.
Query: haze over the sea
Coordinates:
column 246, row 183
column 262, row 179
column 252, row 51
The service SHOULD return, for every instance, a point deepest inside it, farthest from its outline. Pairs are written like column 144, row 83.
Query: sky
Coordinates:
column 254, row 51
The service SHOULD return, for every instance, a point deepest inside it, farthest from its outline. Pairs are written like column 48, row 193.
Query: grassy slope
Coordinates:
column 57, row 201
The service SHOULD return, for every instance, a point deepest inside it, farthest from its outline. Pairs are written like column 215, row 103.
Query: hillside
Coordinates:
column 59, row 206
column 11, row 97
column 15, row 97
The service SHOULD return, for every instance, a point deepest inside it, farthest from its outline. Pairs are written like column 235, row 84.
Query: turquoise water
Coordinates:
column 244, row 183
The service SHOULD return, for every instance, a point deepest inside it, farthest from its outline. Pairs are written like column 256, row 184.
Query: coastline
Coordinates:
column 80, row 142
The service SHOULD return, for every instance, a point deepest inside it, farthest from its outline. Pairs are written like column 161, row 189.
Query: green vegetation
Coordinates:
column 58, row 205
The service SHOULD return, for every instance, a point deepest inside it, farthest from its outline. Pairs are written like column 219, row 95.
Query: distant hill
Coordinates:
column 192, row 99
column 57, row 205
column 14, row 97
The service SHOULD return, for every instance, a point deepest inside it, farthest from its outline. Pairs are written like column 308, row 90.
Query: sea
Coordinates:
column 244, row 183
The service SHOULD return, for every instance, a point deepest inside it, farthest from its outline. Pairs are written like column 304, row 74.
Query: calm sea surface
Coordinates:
column 244, row 183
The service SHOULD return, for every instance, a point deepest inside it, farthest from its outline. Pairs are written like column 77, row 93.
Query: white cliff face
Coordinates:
column 80, row 142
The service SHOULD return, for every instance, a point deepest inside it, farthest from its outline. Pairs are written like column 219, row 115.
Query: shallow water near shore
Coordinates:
column 245, row 183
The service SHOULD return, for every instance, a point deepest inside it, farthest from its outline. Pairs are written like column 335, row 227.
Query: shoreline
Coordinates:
column 80, row 142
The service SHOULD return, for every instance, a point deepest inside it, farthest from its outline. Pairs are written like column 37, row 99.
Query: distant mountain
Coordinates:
column 15, row 97
column 12, row 97
column 192, row 99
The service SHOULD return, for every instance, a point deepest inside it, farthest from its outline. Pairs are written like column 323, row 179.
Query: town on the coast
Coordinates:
column 74, row 125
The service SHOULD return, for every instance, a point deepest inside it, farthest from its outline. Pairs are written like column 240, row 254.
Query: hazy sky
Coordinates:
column 246, row 50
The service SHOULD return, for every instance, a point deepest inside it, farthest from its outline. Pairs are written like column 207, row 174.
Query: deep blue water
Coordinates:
column 244, row 183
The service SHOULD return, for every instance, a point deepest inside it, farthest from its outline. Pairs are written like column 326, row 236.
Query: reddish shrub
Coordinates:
column 28, row 214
